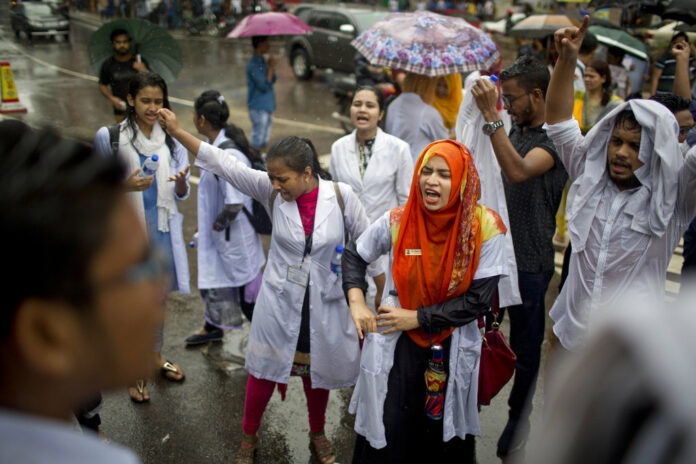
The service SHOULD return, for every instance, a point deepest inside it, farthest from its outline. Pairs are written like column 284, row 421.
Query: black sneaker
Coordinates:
column 199, row 339
column 513, row 438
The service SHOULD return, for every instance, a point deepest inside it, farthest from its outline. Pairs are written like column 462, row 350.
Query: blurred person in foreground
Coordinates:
column 629, row 396
column 630, row 200
column 83, row 299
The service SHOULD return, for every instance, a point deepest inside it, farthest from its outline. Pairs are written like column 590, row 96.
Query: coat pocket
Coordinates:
column 372, row 353
column 333, row 288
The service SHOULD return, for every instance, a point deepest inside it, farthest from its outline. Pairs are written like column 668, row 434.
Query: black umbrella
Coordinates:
column 681, row 10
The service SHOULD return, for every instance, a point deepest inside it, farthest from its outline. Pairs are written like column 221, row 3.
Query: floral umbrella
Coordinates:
column 427, row 43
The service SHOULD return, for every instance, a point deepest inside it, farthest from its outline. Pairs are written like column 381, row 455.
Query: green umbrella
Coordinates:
column 155, row 44
column 621, row 39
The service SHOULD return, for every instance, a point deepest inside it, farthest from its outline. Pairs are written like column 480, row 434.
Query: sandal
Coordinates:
column 140, row 389
column 169, row 368
column 323, row 447
column 247, row 449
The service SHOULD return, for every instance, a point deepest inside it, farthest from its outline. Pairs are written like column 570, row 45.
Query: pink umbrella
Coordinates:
column 269, row 24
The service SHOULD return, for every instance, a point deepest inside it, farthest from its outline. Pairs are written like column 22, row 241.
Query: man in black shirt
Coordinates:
column 118, row 70
column 533, row 179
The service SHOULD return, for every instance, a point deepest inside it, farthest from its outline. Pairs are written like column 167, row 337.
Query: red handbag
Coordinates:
column 497, row 362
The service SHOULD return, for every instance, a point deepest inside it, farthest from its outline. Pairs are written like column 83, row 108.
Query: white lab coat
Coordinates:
column 177, row 162
column 414, row 121
column 225, row 263
column 387, row 180
column 468, row 131
column 461, row 402
column 277, row 315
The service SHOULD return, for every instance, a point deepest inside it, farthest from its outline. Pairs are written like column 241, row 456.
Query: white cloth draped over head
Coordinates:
column 155, row 145
column 653, row 204
column 468, row 131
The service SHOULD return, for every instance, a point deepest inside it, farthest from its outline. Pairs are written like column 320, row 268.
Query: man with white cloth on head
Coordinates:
column 631, row 198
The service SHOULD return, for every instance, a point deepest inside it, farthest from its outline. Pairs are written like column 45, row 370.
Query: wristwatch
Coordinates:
column 490, row 127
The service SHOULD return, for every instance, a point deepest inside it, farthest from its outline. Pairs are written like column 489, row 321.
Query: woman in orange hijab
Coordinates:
column 446, row 256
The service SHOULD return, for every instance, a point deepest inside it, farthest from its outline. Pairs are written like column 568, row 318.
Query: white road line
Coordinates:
column 181, row 101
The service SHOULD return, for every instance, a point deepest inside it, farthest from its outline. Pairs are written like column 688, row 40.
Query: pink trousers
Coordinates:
column 258, row 394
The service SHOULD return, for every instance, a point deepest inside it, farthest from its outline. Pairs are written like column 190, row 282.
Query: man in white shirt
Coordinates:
column 82, row 300
column 630, row 201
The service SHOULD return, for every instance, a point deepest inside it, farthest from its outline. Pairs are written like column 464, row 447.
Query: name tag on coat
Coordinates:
column 413, row 252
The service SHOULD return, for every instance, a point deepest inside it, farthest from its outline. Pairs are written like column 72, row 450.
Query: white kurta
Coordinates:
column 621, row 257
column 415, row 122
column 225, row 263
column 468, row 131
column 32, row 439
column 461, row 402
column 278, row 311
column 177, row 162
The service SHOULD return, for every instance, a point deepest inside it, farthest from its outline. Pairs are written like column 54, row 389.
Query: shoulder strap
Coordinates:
column 227, row 144
column 113, row 138
column 341, row 204
column 271, row 201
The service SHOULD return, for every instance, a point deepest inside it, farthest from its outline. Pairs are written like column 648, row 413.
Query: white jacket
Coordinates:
column 461, row 401
column 277, row 314
column 387, row 180
column 225, row 262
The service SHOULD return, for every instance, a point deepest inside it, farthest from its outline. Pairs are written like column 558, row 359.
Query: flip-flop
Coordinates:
column 140, row 388
column 169, row 367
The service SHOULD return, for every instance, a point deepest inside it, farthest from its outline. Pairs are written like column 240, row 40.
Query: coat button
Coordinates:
column 311, row 283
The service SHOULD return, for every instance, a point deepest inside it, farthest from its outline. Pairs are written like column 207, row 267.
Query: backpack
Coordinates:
column 258, row 217
column 113, row 137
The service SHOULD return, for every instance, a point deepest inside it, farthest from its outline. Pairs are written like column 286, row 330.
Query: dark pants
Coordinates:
column 411, row 436
column 527, row 324
column 88, row 415
column 689, row 266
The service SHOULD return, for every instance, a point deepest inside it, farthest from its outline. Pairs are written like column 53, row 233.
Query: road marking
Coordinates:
column 181, row 101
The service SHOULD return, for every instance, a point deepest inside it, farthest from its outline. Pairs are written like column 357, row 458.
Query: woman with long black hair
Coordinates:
column 137, row 138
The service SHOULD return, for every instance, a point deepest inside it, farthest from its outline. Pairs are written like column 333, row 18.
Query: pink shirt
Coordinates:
column 307, row 204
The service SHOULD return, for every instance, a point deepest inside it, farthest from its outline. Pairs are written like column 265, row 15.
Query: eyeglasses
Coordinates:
column 508, row 101
column 683, row 130
column 153, row 266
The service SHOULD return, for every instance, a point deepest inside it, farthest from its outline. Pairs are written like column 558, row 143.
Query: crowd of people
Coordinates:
column 407, row 208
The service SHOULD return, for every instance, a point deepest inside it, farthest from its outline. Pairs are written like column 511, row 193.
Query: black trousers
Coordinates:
column 410, row 435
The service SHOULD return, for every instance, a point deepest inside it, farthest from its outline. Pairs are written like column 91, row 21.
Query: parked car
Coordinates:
column 36, row 19
column 328, row 45
column 658, row 37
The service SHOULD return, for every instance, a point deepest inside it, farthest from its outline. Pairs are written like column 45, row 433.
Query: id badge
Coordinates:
column 299, row 274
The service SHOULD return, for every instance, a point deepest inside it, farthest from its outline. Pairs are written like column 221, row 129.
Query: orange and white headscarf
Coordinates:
column 448, row 241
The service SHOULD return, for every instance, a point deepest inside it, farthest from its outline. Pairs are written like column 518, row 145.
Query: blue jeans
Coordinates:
column 527, row 324
column 260, row 127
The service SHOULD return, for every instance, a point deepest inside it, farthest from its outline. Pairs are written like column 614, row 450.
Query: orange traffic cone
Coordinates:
column 10, row 99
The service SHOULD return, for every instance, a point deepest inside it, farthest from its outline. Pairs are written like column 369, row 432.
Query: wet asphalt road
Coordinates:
column 199, row 420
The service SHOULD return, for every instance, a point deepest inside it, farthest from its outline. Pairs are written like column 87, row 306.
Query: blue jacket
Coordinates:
column 259, row 88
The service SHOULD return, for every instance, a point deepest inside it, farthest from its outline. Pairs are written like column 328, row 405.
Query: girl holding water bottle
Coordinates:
column 302, row 325
column 446, row 253
column 139, row 137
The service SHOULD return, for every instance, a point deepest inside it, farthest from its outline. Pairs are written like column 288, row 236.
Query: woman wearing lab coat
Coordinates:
column 442, row 231
column 230, row 254
column 139, row 137
column 300, row 309
column 377, row 165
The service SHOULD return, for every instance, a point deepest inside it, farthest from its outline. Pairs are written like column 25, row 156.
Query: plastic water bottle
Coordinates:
column 194, row 241
column 435, row 381
column 336, row 266
column 150, row 166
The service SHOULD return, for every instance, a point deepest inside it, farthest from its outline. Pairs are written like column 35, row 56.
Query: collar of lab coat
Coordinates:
column 326, row 202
